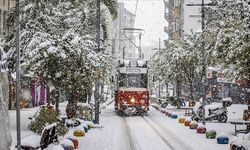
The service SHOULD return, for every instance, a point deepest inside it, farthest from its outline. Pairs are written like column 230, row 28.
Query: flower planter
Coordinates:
column 211, row 134
column 174, row 116
column 75, row 142
column 222, row 140
column 193, row 125
column 187, row 121
column 201, row 130
column 181, row 120
column 67, row 144
column 78, row 133
column 86, row 129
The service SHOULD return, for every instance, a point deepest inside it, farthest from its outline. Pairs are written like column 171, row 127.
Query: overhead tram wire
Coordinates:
column 136, row 7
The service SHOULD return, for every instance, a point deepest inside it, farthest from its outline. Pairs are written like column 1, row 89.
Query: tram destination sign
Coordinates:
column 133, row 70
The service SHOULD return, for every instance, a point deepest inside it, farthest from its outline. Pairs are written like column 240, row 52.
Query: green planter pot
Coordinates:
column 211, row 134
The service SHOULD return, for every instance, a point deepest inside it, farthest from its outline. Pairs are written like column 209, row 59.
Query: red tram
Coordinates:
column 131, row 90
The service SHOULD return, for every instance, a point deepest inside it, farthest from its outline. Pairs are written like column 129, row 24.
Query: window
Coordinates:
column 177, row 3
column 133, row 80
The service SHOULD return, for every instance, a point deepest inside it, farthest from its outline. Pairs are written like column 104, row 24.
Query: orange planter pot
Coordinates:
column 187, row 123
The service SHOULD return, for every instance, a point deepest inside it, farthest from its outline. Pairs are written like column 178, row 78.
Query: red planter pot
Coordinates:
column 201, row 130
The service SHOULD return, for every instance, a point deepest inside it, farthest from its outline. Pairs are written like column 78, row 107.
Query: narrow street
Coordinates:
column 153, row 131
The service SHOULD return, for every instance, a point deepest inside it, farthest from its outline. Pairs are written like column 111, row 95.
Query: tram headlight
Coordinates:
column 132, row 100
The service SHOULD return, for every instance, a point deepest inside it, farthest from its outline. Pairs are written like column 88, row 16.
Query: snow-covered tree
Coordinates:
column 57, row 42
column 227, row 30
column 181, row 63
column 5, row 141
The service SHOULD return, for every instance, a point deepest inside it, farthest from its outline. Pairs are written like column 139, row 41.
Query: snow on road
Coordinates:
column 143, row 136
column 111, row 137
column 182, row 137
column 152, row 132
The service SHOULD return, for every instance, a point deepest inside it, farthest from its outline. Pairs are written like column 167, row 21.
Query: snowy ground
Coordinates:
column 152, row 132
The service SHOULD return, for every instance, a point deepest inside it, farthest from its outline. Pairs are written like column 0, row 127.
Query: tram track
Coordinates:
column 169, row 139
column 158, row 133
column 133, row 139
column 167, row 136
column 132, row 145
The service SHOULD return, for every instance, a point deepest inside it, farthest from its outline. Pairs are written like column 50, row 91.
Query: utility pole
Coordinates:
column 97, row 84
column 159, row 56
column 18, row 78
column 203, row 62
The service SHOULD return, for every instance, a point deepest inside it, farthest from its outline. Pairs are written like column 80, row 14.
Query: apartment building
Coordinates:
column 121, row 44
column 5, row 7
column 184, row 17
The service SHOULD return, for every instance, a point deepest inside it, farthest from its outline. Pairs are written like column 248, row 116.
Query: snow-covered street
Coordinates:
column 155, row 131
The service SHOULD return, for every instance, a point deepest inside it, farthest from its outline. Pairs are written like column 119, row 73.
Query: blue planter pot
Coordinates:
column 85, row 129
column 222, row 140
column 174, row 116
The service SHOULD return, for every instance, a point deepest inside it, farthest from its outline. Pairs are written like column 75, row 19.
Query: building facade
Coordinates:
column 5, row 8
column 122, row 47
column 183, row 19
column 173, row 14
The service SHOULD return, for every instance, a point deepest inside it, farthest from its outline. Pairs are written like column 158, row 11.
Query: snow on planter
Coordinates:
column 182, row 119
column 187, row 121
column 174, row 116
column 201, row 128
column 75, row 142
column 193, row 125
column 67, row 144
column 79, row 132
column 222, row 138
column 211, row 134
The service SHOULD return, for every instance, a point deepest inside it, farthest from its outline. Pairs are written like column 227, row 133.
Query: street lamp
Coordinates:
column 97, row 84
column 18, row 78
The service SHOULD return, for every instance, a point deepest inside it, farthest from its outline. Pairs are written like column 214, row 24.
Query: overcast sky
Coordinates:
column 150, row 17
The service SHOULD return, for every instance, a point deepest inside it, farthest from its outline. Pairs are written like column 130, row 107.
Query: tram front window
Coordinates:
column 133, row 80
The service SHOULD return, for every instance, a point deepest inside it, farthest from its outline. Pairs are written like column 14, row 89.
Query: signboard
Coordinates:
column 209, row 74
column 133, row 70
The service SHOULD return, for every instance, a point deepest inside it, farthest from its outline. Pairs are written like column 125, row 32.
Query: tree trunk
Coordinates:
column 191, row 89
column 102, row 93
column 5, row 136
column 71, row 108
column 57, row 97
column 89, row 93
column 248, row 84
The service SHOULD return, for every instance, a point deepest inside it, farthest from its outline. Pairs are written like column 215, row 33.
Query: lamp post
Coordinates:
column 158, row 49
column 97, row 84
column 17, row 79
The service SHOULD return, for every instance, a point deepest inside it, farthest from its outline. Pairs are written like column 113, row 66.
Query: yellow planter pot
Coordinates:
column 181, row 120
column 78, row 133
